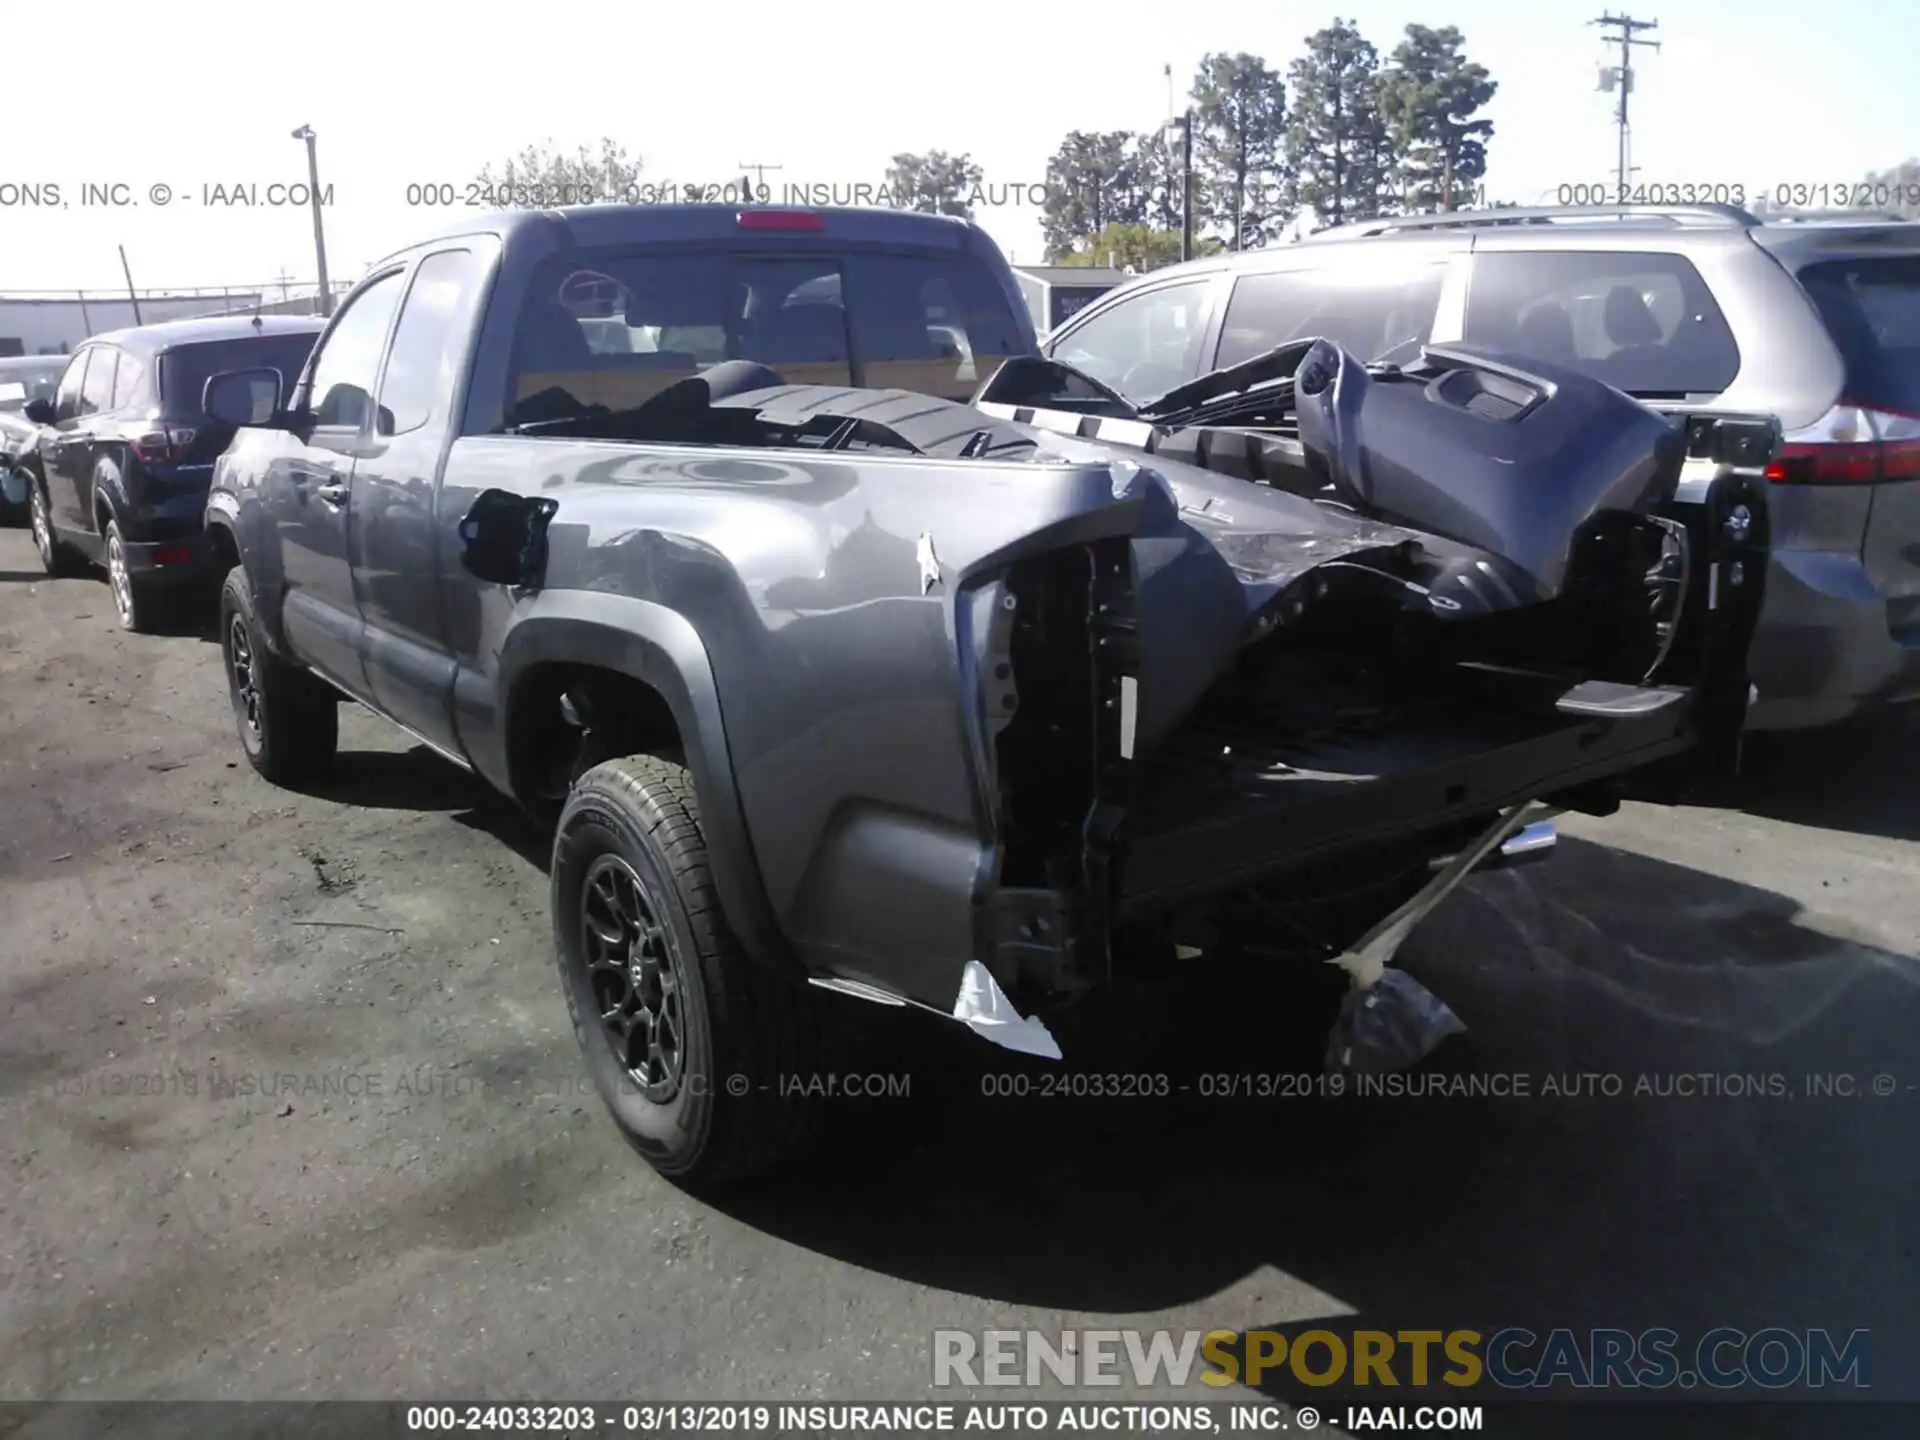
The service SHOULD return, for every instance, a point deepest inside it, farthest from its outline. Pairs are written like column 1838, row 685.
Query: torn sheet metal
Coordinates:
column 983, row 1007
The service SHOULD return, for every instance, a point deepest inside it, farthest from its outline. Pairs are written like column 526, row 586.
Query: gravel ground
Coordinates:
column 292, row 1110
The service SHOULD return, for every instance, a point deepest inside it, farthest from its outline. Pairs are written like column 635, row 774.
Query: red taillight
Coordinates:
column 172, row 555
column 158, row 447
column 1900, row 459
column 779, row 220
column 1850, row 445
column 1825, row 463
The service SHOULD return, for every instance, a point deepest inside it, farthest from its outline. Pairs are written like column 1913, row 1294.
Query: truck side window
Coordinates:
column 349, row 360
column 423, row 362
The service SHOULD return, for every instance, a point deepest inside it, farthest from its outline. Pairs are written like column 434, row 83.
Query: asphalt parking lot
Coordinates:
column 292, row 1109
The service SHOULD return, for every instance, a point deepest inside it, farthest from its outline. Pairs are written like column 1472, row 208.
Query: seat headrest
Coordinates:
column 799, row 333
column 1629, row 321
column 551, row 339
column 1546, row 332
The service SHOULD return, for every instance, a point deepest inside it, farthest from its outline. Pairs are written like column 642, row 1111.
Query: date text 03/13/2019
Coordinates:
column 815, row 1419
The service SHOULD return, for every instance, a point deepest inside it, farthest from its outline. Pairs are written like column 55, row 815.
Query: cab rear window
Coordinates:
column 615, row 329
column 1872, row 310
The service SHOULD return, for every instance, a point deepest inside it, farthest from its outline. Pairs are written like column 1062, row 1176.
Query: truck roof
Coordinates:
column 596, row 225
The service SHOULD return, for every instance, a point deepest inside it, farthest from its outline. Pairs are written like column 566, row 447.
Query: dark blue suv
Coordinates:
column 126, row 450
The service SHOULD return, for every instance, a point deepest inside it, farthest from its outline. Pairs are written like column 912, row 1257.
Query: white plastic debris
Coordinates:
column 983, row 1007
column 1394, row 1023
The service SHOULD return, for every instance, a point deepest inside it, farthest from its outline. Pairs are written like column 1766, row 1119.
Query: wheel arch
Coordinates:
column 646, row 668
column 109, row 497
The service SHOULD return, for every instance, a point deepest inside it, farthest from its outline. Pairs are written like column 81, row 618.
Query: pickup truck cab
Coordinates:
column 676, row 525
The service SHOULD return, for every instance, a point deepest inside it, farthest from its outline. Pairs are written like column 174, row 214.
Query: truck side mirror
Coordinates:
column 242, row 397
column 40, row 412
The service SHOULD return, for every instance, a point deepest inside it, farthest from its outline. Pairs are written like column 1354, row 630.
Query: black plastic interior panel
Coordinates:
column 1429, row 452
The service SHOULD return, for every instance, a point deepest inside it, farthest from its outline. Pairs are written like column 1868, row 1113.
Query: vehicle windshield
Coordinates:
column 1872, row 310
column 185, row 369
column 615, row 329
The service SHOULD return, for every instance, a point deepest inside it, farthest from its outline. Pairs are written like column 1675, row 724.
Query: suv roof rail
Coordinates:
column 1839, row 217
column 1730, row 216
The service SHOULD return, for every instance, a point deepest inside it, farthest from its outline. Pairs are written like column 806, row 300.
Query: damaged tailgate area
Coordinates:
column 1446, row 625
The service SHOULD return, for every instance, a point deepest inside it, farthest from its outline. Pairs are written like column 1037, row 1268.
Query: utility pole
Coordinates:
column 132, row 294
column 1186, row 186
column 759, row 178
column 305, row 132
column 1623, row 28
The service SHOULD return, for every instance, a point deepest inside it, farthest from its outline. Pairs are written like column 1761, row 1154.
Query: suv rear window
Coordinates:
column 1872, row 311
column 1643, row 323
column 616, row 329
column 185, row 369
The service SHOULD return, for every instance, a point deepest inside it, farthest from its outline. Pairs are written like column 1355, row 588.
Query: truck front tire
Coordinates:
column 289, row 722
column 702, row 1055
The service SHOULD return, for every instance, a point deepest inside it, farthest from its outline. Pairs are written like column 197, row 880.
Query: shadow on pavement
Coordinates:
column 415, row 779
column 1859, row 778
column 1713, row 1189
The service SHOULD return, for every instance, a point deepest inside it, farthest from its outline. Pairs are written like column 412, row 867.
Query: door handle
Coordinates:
column 334, row 494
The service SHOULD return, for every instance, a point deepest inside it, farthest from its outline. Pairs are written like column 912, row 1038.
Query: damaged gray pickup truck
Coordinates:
column 833, row 681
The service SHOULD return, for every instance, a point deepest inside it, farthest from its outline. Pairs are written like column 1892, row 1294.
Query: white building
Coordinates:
column 49, row 325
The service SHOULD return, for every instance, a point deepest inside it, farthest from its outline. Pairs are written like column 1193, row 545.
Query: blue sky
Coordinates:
column 1756, row 94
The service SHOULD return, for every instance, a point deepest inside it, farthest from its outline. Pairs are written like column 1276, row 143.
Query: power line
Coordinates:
column 1623, row 28
column 759, row 175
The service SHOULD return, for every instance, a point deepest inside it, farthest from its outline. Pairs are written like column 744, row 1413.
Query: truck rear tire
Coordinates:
column 289, row 722
column 702, row 1055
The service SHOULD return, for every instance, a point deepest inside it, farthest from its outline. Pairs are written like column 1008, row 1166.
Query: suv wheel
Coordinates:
column 56, row 559
column 289, row 722
column 134, row 602
column 687, row 1039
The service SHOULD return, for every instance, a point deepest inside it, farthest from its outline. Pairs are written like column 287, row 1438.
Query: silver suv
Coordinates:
column 1813, row 319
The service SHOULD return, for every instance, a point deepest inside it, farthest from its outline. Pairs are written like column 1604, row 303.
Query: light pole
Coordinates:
column 1185, row 122
column 305, row 132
